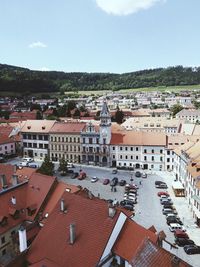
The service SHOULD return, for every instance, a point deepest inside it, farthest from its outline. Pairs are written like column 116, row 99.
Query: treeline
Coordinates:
column 27, row 81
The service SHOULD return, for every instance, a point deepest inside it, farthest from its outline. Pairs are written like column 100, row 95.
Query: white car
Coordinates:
column 94, row 179
column 23, row 164
column 176, row 226
column 27, row 160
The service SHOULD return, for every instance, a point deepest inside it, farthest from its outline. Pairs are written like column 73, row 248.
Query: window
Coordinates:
column 168, row 160
column 34, row 137
column 97, row 140
column 41, row 155
column 152, row 150
column 3, row 251
column 46, row 146
column 34, row 145
column 63, row 139
column 55, row 139
column 120, row 156
column 113, row 148
column 136, row 157
column 58, row 139
column 40, row 137
column 168, row 152
column 74, row 139
column 3, row 240
column 124, row 164
column 121, row 148
column 51, row 138
column 35, row 154
column 104, row 141
column 136, row 148
column 161, row 151
column 83, row 140
column 113, row 156
column 40, row 145
column 145, row 151
column 90, row 140
column 161, row 158
column 152, row 158
column 126, row 157
column 131, row 148
column 145, row 157
column 131, row 157
column 126, row 148
column 5, row 147
column 25, row 144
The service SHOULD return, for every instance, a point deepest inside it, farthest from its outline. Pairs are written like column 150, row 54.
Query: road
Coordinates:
column 148, row 210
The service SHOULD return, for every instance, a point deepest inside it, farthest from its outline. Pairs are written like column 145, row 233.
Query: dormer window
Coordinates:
column 43, row 127
column 29, row 127
column 3, row 220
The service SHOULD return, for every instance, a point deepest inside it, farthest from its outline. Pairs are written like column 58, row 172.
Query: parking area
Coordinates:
column 148, row 210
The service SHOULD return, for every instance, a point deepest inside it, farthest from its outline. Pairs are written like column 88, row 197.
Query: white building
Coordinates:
column 35, row 137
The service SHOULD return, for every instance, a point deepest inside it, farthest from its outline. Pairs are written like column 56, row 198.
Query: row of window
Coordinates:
column 35, row 137
column 126, row 157
column 35, row 145
column 132, row 165
column 65, row 139
column 56, row 156
column 41, row 155
column 65, row 148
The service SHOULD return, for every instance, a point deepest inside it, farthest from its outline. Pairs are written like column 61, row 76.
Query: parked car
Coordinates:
column 192, row 249
column 165, row 197
column 129, row 207
column 114, row 171
column 106, row 181
column 138, row 174
column 94, row 179
column 161, row 193
column 114, row 181
column 23, row 164
column 75, row 175
column 176, row 226
column 162, row 185
column 144, row 175
column 126, row 202
column 180, row 233
column 32, row 165
column 166, row 201
column 131, row 186
column 70, row 165
column 122, row 182
column 27, row 159
column 70, row 171
column 173, row 220
column 166, row 211
column 183, row 241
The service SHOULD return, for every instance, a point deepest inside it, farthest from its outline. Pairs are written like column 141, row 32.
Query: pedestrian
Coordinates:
column 140, row 182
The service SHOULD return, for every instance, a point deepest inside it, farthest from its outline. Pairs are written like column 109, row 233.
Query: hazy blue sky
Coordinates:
column 99, row 35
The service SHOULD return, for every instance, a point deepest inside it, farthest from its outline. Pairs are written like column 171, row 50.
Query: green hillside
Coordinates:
column 22, row 80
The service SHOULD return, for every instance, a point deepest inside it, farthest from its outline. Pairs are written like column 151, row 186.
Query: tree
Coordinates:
column 63, row 166
column 39, row 115
column 119, row 116
column 175, row 109
column 47, row 167
column 35, row 106
column 76, row 113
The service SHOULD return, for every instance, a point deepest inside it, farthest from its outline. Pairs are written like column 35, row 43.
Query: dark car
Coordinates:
column 122, row 182
column 70, row 171
column 138, row 174
column 183, row 241
column 126, row 202
column 129, row 207
column 174, row 220
column 114, row 171
column 158, row 182
column 192, row 249
column 75, row 175
column 114, row 181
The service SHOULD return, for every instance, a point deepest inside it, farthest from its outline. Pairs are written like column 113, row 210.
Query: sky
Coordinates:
column 115, row 36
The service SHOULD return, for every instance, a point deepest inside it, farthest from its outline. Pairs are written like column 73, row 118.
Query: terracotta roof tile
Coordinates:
column 55, row 233
column 130, row 238
column 67, row 127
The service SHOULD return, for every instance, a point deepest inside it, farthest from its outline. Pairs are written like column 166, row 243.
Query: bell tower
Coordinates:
column 105, row 125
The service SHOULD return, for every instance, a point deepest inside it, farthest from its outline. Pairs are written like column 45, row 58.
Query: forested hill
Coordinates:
column 22, row 80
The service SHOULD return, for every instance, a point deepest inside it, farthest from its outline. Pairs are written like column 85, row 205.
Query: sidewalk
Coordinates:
column 183, row 210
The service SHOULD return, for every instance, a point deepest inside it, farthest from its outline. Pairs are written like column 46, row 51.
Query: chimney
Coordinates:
column 111, row 211
column 4, row 183
column 72, row 234
column 22, row 239
column 14, row 180
column 175, row 261
column 13, row 200
column 62, row 205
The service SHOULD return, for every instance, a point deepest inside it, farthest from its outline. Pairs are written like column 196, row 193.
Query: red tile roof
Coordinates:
column 29, row 115
column 67, row 127
column 130, row 238
column 4, row 139
column 91, row 219
column 150, row 255
column 32, row 192
column 45, row 262
column 138, row 138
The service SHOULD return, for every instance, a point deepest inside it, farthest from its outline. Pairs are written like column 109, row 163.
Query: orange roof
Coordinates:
column 57, row 194
column 130, row 238
column 45, row 262
column 90, row 217
column 138, row 138
column 151, row 255
column 4, row 139
column 67, row 127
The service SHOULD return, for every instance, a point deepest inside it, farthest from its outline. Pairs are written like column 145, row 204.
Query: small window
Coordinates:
column 3, row 240
column 136, row 148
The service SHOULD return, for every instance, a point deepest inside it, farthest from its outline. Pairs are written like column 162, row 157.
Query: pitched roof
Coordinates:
column 44, row 262
column 150, row 255
column 138, row 138
column 130, row 238
column 90, row 217
column 37, row 126
column 4, row 139
column 67, row 127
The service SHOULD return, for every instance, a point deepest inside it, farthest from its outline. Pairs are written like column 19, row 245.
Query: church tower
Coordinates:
column 105, row 125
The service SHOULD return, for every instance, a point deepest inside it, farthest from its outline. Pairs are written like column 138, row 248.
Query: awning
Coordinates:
column 177, row 186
